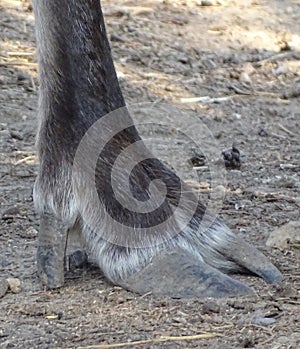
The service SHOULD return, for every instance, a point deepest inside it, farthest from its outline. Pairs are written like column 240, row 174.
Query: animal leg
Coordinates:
column 51, row 250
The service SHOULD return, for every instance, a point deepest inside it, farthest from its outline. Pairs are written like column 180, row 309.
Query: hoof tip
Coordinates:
column 179, row 275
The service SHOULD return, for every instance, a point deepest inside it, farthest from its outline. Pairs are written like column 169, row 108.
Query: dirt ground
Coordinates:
column 245, row 57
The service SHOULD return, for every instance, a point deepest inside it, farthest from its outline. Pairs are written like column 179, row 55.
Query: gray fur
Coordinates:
column 78, row 86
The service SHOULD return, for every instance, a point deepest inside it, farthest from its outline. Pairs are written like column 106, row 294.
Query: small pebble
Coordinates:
column 14, row 285
column 183, row 59
column 280, row 70
column 116, row 37
column 22, row 77
column 263, row 321
column 293, row 91
column 29, row 233
column 10, row 213
column 209, row 2
column 16, row 135
column 259, row 318
column 244, row 77
column 210, row 307
column 248, row 68
column 285, row 236
column 262, row 132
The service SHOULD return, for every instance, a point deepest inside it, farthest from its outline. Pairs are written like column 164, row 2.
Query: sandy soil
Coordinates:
column 245, row 56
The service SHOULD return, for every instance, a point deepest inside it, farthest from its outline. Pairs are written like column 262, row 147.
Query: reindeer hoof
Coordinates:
column 50, row 268
column 270, row 274
column 180, row 275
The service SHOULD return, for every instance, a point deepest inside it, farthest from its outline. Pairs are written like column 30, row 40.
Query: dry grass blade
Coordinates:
column 286, row 130
column 17, row 63
column 20, row 54
column 153, row 340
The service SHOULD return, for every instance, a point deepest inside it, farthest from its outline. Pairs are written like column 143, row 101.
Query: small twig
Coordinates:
column 288, row 166
column 205, row 99
column 23, row 152
column 286, row 130
column 200, row 167
column 273, row 58
column 20, row 54
column 239, row 91
column 268, row 340
column 153, row 340
column 30, row 64
column 277, row 197
column 267, row 94
column 33, row 84
column 145, row 295
column 293, row 302
column 277, row 136
column 27, row 159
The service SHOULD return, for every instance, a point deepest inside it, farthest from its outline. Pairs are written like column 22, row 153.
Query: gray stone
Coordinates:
column 285, row 236
column 14, row 285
